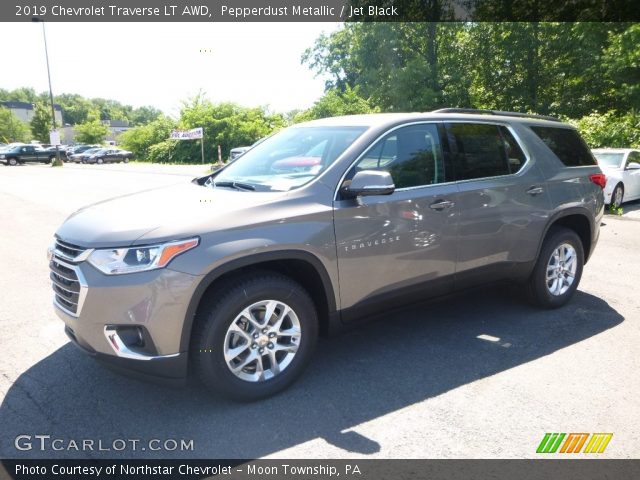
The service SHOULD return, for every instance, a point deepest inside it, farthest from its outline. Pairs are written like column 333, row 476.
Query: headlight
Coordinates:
column 1, row 156
column 116, row 261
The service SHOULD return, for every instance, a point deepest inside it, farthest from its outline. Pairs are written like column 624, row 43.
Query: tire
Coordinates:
column 553, row 291
column 99, row 161
column 126, row 160
column 12, row 161
column 617, row 191
column 213, row 332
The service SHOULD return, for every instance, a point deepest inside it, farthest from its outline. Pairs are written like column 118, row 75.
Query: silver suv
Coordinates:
column 234, row 275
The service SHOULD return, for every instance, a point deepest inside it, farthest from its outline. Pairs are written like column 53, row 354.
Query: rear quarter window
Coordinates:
column 567, row 145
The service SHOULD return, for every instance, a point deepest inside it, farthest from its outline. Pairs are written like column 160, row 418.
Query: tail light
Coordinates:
column 599, row 179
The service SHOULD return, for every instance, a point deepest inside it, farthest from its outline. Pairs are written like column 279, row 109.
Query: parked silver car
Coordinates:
column 236, row 274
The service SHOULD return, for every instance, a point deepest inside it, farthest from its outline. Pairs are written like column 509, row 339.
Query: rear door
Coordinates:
column 393, row 247
column 501, row 198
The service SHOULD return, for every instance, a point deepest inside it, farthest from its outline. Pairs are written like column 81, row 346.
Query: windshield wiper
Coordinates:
column 236, row 185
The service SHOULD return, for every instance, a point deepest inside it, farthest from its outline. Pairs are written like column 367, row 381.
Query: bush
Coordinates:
column 610, row 130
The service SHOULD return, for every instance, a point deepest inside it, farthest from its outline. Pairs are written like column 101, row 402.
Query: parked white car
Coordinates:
column 622, row 169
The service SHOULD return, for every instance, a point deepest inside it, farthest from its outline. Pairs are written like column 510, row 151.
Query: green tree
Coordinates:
column 140, row 139
column 144, row 115
column 12, row 129
column 335, row 103
column 622, row 62
column 41, row 122
column 92, row 131
column 610, row 129
column 226, row 124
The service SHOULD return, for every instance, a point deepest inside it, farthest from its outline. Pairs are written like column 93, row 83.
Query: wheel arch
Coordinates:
column 301, row 266
column 577, row 219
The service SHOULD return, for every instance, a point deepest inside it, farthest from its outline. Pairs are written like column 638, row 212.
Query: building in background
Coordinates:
column 24, row 111
column 116, row 127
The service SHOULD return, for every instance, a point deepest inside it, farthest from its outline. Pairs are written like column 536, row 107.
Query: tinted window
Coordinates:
column 515, row 155
column 633, row 157
column 480, row 151
column 412, row 155
column 566, row 144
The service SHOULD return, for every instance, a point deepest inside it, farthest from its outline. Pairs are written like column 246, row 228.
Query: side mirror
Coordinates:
column 369, row 182
column 633, row 166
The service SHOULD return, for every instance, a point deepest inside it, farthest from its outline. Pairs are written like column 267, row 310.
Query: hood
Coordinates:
column 160, row 214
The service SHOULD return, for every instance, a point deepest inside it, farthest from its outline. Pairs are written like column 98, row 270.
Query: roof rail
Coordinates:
column 496, row 112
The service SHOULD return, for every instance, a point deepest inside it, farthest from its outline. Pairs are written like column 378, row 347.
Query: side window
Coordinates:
column 412, row 155
column 633, row 157
column 515, row 155
column 567, row 144
column 481, row 151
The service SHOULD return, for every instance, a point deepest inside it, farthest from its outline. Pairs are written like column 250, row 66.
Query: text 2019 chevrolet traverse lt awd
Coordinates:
column 235, row 274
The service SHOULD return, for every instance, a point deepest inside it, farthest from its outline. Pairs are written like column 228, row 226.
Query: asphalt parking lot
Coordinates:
column 478, row 376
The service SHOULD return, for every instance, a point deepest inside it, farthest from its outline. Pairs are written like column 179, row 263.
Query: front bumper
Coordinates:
column 170, row 370
column 152, row 303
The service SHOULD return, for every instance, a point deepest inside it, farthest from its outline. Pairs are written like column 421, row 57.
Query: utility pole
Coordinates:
column 57, row 162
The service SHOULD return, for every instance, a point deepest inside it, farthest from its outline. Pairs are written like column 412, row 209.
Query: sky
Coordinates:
column 160, row 64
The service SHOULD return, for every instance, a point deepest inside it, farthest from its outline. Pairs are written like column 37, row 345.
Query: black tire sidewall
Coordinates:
column 541, row 293
column 209, row 356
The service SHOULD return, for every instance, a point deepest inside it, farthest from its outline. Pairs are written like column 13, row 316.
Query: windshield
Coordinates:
column 609, row 159
column 288, row 159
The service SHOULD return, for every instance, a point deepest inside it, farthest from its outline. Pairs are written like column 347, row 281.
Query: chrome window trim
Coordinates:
column 436, row 122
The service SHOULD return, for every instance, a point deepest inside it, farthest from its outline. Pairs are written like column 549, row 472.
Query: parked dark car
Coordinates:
column 81, row 157
column 109, row 155
column 25, row 153
column 61, row 151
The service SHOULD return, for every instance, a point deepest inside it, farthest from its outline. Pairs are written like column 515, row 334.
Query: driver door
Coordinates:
column 399, row 247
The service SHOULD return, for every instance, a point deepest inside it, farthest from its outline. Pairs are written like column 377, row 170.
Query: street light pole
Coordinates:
column 57, row 162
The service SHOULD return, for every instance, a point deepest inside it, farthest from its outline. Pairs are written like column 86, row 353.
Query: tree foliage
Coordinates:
column 12, row 129
column 569, row 69
column 76, row 108
column 91, row 131
column 140, row 139
column 610, row 129
column 41, row 122
column 335, row 103
column 226, row 124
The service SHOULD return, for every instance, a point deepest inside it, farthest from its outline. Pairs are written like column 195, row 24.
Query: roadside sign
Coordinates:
column 192, row 134
column 54, row 137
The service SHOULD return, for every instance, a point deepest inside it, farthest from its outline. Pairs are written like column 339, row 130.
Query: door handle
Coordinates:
column 441, row 205
column 535, row 191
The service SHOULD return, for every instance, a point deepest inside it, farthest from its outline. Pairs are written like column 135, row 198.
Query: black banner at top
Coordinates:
column 320, row 10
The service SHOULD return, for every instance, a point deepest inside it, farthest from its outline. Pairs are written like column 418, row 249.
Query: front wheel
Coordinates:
column 99, row 161
column 558, row 269
column 255, row 338
column 12, row 161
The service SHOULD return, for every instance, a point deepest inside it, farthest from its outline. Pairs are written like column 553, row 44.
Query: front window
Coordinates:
column 288, row 159
column 609, row 159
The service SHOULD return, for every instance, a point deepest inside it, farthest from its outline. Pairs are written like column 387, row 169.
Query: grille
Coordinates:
column 67, row 250
column 64, row 276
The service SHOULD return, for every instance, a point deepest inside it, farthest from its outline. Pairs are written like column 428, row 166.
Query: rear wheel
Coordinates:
column 617, row 195
column 255, row 338
column 126, row 160
column 99, row 161
column 558, row 269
